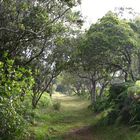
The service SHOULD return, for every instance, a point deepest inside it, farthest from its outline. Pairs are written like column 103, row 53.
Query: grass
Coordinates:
column 74, row 114
column 115, row 133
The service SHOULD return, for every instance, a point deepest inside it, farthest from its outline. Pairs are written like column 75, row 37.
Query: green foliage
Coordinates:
column 116, row 90
column 106, row 38
column 29, row 114
column 123, row 104
column 115, row 133
column 40, row 34
column 12, row 124
column 57, row 105
column 118, row 103
column 15, row 83
column 31, row 31
column 45, row 101
column 104, row 50
column 101, row 105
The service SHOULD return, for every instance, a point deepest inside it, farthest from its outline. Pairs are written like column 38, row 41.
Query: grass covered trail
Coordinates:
column 73, row 115
column 75, row 121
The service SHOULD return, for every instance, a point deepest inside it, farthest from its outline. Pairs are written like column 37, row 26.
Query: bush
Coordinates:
column 45, row 100
column 12, row 124
column 116, row 89
column 101, row 105
column 14, row 83
column 56, row 105
column 124, row 104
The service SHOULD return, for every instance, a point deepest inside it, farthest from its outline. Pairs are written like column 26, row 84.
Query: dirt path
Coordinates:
column 85, row 133
column 76, row 123
column 73, row 122
column 83, row 116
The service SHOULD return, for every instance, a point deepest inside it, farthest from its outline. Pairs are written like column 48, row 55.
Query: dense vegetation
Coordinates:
column 43, row 50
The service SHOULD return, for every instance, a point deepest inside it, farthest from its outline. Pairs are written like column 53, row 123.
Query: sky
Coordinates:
column 92, row 10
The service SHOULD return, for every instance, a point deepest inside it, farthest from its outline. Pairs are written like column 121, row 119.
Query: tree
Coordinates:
column 33, row 32
column 72, row 83
column 135, row 25
column 107, row 48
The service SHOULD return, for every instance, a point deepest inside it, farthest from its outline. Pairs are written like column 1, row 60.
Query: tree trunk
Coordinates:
column 132, row 75
column 34, row 103
column 126, row 76
column 93, row 91
column 101, row 91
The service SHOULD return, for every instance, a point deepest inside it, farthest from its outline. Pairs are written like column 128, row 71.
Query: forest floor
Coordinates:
column 74, row 121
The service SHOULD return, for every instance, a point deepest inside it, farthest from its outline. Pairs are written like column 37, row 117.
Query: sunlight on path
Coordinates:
column 71, row 103
column 78, row 117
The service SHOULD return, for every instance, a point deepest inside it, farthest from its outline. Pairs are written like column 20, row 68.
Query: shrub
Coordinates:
column 57, row 105
column 12, row 124
column 14, row 83
column 101, row 105
column 124, row 104
column 45, row 100
column 116, row 89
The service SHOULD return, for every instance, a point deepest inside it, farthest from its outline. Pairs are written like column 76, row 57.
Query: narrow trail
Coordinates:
column 85, row 133
column 79, row 113
column 74, row 121
column 71, row 122
column 83, row 120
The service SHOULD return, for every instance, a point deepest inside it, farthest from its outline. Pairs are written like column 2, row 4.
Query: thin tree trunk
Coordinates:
column 93, row 91
column 102, row 89
column 126, row 76
column 132, row 75
column 34, row 103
